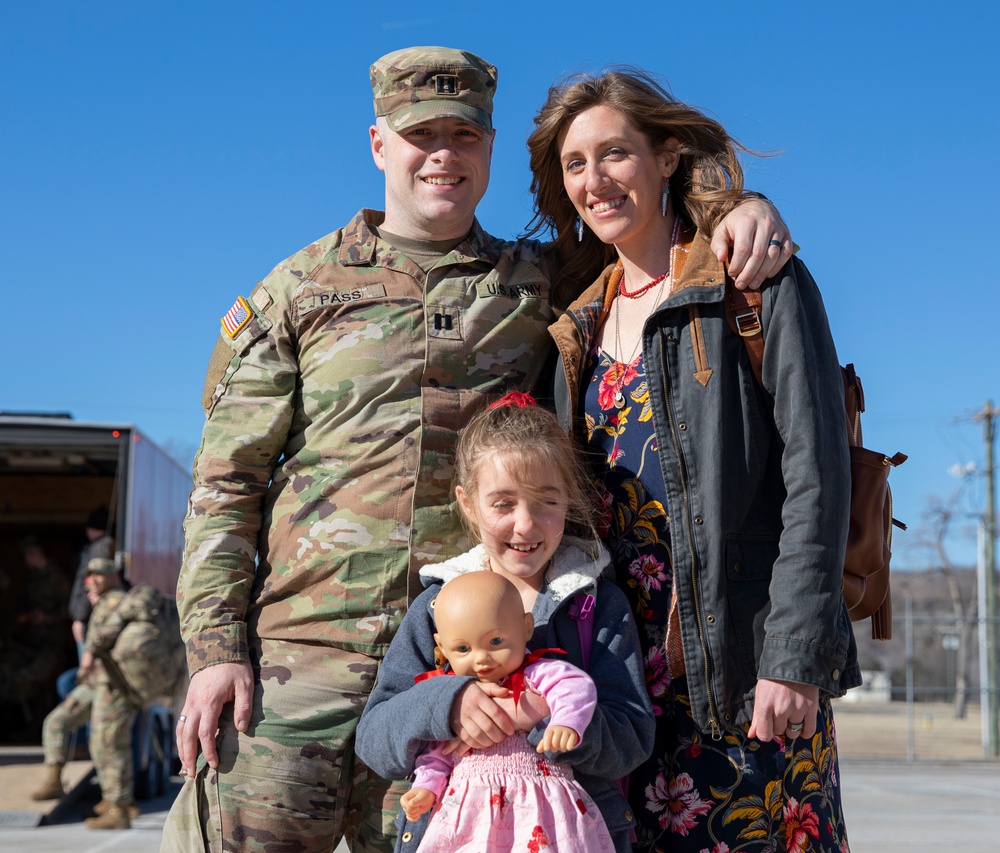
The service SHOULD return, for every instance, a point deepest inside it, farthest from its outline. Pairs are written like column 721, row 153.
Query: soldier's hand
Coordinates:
column 86, row 663
column 755, row 241
column 210, row 689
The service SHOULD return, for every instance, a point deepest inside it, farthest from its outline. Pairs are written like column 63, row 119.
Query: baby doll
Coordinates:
column 482, row 631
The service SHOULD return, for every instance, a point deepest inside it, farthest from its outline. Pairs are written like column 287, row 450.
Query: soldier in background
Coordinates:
column 99, row 544
column 112, row 704
column 333, row 400
column 34, row 639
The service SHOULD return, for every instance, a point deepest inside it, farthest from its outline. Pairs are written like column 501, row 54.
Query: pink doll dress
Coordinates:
column 509, row 798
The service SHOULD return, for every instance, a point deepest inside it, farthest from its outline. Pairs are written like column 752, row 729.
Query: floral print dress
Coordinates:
column 692, row 793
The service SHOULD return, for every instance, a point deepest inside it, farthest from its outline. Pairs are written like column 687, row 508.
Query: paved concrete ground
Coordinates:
column 890, row 808
column 922, row 808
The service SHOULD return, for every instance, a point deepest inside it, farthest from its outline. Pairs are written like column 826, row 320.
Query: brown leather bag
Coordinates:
column 869, row 539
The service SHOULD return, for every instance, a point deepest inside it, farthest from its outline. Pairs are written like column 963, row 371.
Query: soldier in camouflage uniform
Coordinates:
column 60, row 723
column 113, row 709
column 322, row 485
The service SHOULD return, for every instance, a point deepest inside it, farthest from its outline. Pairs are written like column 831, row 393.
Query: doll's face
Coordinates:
column 482, row 635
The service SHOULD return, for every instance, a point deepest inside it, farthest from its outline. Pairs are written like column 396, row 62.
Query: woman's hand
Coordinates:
column 784, row 708
column 745, row 241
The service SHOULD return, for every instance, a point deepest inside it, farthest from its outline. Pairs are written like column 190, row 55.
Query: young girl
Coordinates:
column 482, row 632
column 519, row 485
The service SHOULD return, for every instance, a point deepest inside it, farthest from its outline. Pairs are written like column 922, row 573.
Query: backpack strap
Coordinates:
column 743, row 316
column 580, row 611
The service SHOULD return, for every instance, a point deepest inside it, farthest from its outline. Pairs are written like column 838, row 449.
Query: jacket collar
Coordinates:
column 576, row 565
column 700, row 268
column 361, row 246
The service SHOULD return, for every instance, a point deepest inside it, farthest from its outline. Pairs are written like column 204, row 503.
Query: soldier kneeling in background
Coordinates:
column 132, row 653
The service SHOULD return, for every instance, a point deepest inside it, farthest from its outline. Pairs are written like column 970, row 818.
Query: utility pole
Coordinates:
column 987, row 416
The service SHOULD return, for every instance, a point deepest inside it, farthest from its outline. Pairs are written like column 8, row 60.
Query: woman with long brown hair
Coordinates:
column 727, row 497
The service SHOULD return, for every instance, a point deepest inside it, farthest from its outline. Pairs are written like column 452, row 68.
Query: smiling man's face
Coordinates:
column 436, row 173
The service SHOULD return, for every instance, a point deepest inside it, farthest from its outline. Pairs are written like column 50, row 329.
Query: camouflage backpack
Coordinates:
column 149, row 652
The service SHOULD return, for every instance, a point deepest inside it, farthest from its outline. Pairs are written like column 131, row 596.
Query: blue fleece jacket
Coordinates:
column 402, row 717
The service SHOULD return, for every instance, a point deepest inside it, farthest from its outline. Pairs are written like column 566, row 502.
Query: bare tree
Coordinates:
column 940, row 517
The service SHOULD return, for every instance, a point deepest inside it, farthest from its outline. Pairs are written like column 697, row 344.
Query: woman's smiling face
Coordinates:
column 615, row 178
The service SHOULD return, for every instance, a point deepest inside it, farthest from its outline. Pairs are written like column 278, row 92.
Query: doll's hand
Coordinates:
column 558, row 739
column 417, row 802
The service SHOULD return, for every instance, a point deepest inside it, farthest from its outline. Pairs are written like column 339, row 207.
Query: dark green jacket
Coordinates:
column 758, row 481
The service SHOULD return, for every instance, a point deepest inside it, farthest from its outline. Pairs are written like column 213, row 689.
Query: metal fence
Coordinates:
column 928, row 693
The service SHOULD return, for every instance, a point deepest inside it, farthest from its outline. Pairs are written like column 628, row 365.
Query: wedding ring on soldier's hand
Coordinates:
column 775, row 243
column 182, row 719
column 794, row 728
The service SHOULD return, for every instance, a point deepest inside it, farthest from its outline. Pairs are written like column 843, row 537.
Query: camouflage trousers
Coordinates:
column 111, row 721
column 63, row 720
column 291, row 783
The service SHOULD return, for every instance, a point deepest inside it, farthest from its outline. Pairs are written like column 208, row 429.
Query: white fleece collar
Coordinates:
column 576, row 564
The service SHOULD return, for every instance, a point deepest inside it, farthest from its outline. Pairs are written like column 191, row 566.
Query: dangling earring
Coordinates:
column 663, row 200
column 579, row 229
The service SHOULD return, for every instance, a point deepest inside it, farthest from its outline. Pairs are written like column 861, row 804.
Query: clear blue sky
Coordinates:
column 156, row 159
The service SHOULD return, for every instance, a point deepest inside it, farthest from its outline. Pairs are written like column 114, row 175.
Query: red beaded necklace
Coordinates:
column 635, row 294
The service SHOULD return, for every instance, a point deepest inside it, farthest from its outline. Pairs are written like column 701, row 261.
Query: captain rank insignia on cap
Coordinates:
column 236, row 317
column 446, row 84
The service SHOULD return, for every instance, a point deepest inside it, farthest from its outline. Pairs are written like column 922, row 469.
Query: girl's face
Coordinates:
column 520, row 528
column 614, row 178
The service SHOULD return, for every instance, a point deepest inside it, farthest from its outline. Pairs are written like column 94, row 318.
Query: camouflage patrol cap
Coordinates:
column 418, row 84
column 101, row 566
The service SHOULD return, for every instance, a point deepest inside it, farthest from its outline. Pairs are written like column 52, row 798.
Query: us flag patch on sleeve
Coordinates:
column 236, row 317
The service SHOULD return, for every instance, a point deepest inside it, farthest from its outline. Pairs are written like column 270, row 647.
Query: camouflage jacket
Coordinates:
column 106, row 623
column 333, row 401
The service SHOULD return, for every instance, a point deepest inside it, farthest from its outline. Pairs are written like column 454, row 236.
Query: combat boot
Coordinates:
column 52, row 786
column 132, row 808
column 116, row 817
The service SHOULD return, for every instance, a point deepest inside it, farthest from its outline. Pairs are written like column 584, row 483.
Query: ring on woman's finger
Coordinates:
column 794, row 728
column 182, row 719
column 775, row 243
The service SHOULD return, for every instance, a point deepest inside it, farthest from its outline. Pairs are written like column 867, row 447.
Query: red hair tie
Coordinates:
column 517, row 399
